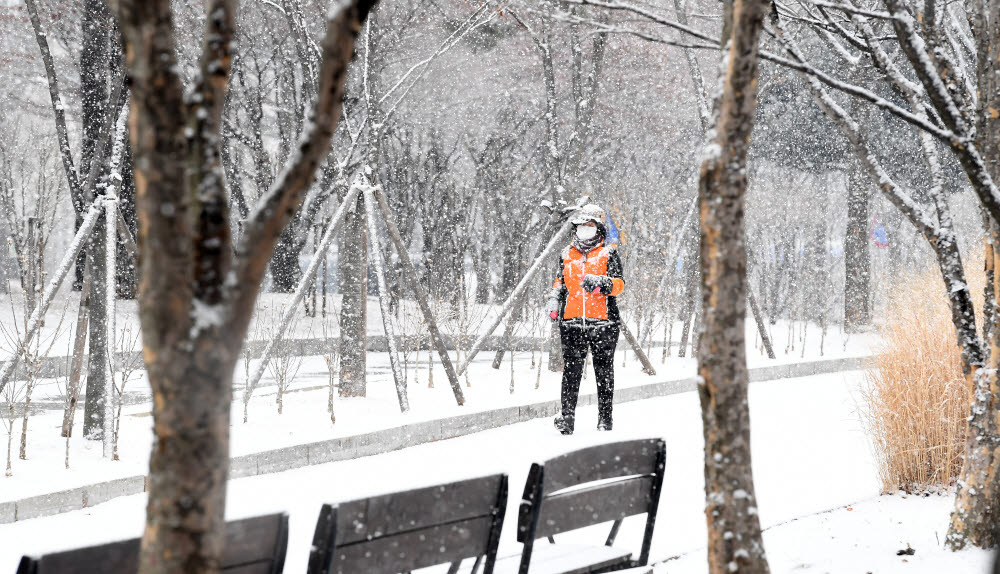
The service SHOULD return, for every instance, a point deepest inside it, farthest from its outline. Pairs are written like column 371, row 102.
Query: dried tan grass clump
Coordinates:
column 916, row 396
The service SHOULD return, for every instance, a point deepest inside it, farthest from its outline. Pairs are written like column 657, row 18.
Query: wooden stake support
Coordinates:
column 759, row 319
column 76, row 363
column 383, row 298
column 515, row 296
column 647, row 367
column 418, row 291
column 34, row 323
column 286, row 319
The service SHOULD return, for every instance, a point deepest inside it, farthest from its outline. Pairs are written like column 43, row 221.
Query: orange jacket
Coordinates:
column 601, row 260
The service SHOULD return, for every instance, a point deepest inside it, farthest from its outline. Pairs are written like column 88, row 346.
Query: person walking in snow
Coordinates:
column 583, row 301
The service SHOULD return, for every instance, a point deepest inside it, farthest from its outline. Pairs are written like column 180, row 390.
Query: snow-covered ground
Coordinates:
column 816, row 485
column 305, row 418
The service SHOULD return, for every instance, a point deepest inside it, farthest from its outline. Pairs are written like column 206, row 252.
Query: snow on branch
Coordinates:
column 646, row 14
column 849, row 9
column 803, row 66
column 916, row 213
column 460, row 32
column 972, row 161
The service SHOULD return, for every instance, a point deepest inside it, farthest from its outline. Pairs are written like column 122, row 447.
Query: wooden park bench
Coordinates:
column 595, row 485
column 404, row 531
column 253, row 546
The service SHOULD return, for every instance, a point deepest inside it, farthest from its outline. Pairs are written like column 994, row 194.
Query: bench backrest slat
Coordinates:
column 253, row 545
column 399, row 512
column 590, row 486
column 405, row 531
column 611, row 460
column 594, row 505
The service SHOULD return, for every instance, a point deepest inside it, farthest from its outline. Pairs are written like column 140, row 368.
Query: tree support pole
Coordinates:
column 286, row 319
column 508, row 331
column 515, row 295
column 647, row 367
column 127, row 238
column 675, row 249
column 76, row 364
column 383, row 298
column 759, row 319
column 50, row 291
column 110, row 255
column 508, row 334
column 418, row 292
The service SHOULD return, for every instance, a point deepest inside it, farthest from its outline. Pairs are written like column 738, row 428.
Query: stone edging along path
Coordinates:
column 387, row 440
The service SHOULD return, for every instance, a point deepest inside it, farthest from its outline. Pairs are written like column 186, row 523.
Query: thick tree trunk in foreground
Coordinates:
column 977, row 503
column 857, row 259
column 734, row 535
column 197, row 293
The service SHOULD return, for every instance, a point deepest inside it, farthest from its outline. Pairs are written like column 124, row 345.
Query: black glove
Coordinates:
column 593, row 283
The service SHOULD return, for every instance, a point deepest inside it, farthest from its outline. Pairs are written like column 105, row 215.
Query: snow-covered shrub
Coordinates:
column 916, row 397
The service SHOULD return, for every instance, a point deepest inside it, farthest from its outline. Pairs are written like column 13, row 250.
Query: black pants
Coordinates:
column 601, row 340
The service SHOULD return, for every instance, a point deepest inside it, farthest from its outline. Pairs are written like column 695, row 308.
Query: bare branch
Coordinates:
column 212, row 251
column 76, row 191
column 278, row 206
column 965, row 148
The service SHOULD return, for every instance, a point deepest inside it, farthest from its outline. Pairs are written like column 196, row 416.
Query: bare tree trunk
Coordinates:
column 556, row 363
column 353, row 267
column 734, row 535
column 857, row 260
column 93, row 408
column 285, row 270
column 690, row 300
column 94, row 60
column 94, row 72
column 977, row 502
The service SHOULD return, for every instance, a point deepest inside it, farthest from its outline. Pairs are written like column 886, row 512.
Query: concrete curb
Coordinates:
column 388, row 440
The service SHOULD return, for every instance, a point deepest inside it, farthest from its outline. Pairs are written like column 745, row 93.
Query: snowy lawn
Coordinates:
column 811, row 461
column 305, row 418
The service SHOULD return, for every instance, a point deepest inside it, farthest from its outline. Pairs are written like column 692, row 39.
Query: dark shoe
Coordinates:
column 604, row 425
column 563, row 425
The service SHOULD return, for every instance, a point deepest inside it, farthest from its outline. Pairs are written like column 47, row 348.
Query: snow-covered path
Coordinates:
column 810, row 456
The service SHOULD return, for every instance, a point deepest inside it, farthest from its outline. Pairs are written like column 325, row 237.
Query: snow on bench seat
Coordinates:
column 565, row 559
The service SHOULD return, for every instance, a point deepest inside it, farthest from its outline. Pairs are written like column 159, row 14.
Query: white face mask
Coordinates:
column 585, row 232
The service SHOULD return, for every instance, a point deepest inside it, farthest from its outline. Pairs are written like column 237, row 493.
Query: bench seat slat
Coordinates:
column 566, row 559
column 399, row 512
